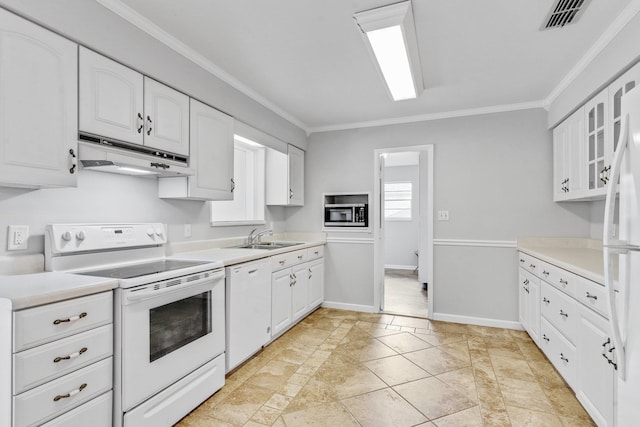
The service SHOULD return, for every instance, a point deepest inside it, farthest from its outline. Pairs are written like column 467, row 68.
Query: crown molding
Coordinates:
column 603, row 41
column 139, row 21
column 431, row 116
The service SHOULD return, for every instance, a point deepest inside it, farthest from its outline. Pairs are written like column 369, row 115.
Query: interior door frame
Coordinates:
column 426, row 197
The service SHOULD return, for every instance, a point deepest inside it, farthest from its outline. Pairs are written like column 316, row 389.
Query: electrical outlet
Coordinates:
column 17, row 237
column 187, row 230
column 443, row 215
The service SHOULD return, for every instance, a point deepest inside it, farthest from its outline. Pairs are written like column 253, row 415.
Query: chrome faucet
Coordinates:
column 256, row 237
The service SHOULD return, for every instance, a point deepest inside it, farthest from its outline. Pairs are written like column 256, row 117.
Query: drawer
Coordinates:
column 46, row 362
column 39, row 325
column 593, row 295
column 278, row 262
column 95, row 413
column 529, row 263
column 315, row 253
column 40, row 404
column 559, row 309
column 559, row 351
column 561, row 279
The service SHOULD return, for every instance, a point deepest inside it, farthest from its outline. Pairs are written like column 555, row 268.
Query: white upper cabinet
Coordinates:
column 166, row 115
column 38, row 105
column 212, row 152
column 111, row 98
column 568, row 157
column 285, row 177
column 616, row 91
column 118, row 102
column 598, row 142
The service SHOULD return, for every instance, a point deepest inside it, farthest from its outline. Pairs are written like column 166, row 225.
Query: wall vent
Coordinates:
column 564, row 12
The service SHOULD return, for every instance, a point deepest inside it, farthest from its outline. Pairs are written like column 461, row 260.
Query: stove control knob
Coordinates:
column 66, row 236
column 150, row 232
column 80, row 235
column 158, row 231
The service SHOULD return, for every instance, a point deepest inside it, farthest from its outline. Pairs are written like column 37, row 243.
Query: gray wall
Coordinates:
column 94, row 26
column 494, row 175
column 619, row 55
column 401, row 238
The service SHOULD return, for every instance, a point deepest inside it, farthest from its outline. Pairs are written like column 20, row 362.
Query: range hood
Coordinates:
column 105, row 155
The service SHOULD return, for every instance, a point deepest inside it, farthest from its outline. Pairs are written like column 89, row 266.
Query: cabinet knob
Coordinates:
column 545, row 300
column 546, row 273
column 140, row 123
column 564, row 359
column 545, row 337
column 532, row 265
column 149, row 128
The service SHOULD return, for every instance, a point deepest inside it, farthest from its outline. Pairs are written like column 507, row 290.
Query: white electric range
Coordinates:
column 169, row 316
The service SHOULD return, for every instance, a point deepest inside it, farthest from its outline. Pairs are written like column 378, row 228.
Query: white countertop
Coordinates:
column 29, row 290
column 579, row 256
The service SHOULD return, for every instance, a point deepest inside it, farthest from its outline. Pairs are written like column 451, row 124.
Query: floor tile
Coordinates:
column 437, row 360
column 521, row 417
column 241, row 404
column 564, row 402
column 413, row 322
column 329, row 415
column 266, row 415
column 434, row 398
column 273, row 375
column 365, row 350
column 404, row 342
column 508, row 367
column 441, row 338
column 383, row 408
column 396, row 370
column 469, row 418
column 278, row 401
column 464, row 380
column 524, row 394
column 314, row 393
column 347, row 381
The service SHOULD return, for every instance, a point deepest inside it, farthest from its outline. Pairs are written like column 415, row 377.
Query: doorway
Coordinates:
column 403, row 234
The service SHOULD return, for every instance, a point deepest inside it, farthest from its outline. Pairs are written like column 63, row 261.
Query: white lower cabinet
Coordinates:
column 62, row 363
column 573, row 333
column 595, row 373
column 297, row 287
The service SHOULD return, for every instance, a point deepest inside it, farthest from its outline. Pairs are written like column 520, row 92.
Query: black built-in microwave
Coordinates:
column 346, row 215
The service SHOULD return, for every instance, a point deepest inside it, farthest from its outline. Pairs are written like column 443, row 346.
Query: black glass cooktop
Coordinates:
column 143, row 269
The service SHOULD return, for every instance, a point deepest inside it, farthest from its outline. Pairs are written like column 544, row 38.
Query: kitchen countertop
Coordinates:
column 580, row 256
column 29, row 290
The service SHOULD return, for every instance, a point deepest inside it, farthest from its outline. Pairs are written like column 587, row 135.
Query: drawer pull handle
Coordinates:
column 562, row 313
column 71, row 393
column 545, row 300
column 532, row 265
column 70, row 319
column 316, row 253
column 564, row 359
column 300, row 257
column 593, row 297
column 546, row 273
column 563, row 282
column 545, row 337
column 521, row 260
column 70, row 356
column 281, row 262
column 526, row 281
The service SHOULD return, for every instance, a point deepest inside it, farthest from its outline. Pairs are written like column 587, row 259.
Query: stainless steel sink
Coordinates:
column 269, row 245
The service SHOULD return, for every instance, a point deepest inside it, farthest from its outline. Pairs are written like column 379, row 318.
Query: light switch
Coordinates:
column 443, row 215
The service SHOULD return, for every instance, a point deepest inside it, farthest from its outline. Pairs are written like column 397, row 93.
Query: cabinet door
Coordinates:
column 300, row 291
column 281, row 284
column 523, row 300
column 560, row 177
column 617, row 90
column 597, row 137
column 575, row 160
column 595, row 374
column 316, row 282
column 211, row 153
column 111, row 98
column 534, row 310
column 166, row 114
column 38, row 105
column 296, row 176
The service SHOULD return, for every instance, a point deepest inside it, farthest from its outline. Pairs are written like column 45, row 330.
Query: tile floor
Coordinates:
column 403, row 294
column 343, row 368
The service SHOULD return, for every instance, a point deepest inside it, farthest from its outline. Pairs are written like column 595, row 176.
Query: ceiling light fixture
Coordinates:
column 390, row 36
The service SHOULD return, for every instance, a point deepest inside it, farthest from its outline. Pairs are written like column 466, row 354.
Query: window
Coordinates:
column 397, row 201
column 248, row 205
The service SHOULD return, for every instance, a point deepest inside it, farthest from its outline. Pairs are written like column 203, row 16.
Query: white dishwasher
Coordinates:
column 248, row 312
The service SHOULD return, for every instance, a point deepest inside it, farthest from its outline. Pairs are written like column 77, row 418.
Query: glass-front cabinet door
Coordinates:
column 617, row 90
column 596, row 111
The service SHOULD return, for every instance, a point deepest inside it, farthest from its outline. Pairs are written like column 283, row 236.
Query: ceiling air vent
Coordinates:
column 564, row 12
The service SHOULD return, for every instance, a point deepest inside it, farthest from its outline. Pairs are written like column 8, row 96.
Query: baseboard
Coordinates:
column 351, row 307
column 400, row 267
column 480, row 321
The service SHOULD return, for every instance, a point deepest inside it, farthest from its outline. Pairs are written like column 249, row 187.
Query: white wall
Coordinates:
column 105, row 197
column 401, row 238
column 494, row 175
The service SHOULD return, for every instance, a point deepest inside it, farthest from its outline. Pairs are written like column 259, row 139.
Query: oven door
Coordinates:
column 168, row 332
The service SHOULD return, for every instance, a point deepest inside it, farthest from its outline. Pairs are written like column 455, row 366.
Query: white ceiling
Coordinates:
column 306, row 59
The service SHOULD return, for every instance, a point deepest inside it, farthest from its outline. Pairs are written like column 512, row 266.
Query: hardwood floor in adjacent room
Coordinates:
column 403, row 293
column 344, row 368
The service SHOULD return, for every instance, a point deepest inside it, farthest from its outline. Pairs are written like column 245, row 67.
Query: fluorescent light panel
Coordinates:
column 391, row 40
column 247, row 141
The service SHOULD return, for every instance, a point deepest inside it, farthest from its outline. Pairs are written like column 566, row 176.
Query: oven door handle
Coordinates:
column 135, row 296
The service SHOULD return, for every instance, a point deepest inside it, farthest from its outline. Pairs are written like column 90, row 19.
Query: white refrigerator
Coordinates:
column 623, row 294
